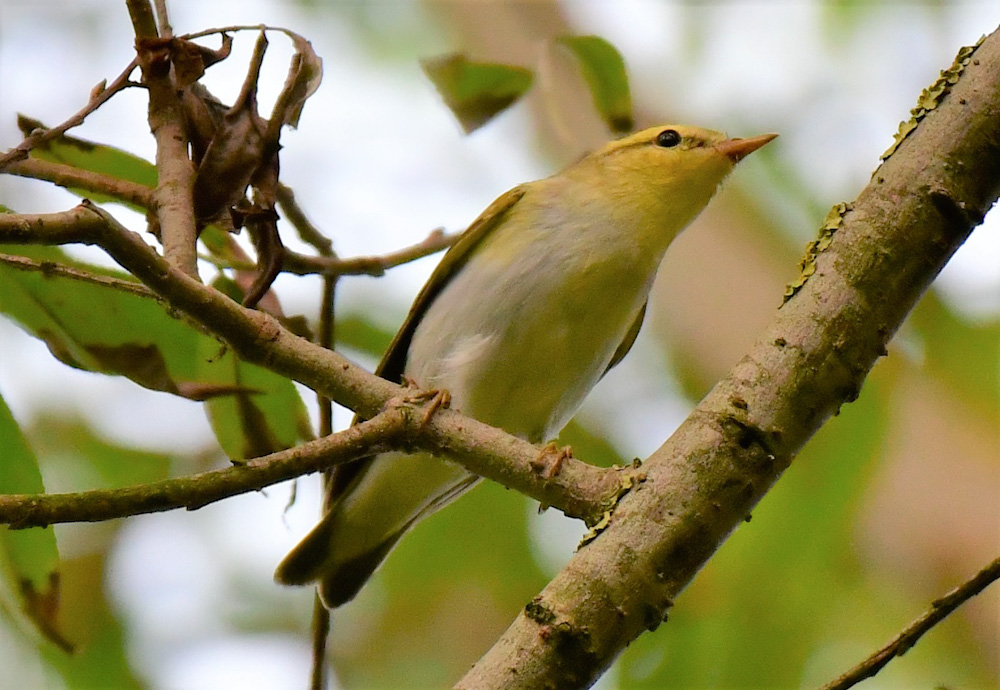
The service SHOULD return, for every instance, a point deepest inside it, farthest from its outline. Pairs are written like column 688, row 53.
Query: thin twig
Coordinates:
column 76, row 178
column 308, row 232
column 321, row 631
column 98, row 97
column 301, row 264
column 901, row 643
column 321, row 616
column 233, row 29
column 198, row 490
column 52, row 268
column 325, row 337
column 163, row 19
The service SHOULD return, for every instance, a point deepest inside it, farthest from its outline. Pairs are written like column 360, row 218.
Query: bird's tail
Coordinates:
column 313, row 560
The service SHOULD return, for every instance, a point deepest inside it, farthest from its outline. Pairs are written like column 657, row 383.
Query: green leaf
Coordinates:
column 114, row 162
column 99, row 158
column 476, row 92
column 102, row 329
column 264, row 415
column 604, row 69
column 29, row 559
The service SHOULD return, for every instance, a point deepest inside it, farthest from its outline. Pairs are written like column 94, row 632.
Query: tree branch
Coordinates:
column 175, row 171
column 85, row 180
column 858, row 285
column 301, row 264
column 198, row 490
column 98, row 97
column 939, row 610
column 579, row 490
column 52, row 268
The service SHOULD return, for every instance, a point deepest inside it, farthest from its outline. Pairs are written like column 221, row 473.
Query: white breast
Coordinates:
column 519, row 338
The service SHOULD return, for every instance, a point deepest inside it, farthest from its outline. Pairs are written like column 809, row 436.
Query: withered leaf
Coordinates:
column 236, row 149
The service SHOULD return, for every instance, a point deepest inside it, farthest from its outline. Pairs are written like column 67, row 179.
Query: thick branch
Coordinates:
column 198, row 490
column 920, row 206
column 579, row 490
column 76, row 226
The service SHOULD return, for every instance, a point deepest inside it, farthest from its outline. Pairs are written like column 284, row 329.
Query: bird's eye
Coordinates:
column 668, row 138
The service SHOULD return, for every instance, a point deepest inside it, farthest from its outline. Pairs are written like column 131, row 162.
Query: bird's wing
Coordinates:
column 394, row 361
column 629, row 340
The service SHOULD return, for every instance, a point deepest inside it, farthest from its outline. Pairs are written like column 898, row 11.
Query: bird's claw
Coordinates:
column 550, row 459
column 435, row 399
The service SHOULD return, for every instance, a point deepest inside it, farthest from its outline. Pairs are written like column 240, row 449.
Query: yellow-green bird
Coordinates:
column 539, row 298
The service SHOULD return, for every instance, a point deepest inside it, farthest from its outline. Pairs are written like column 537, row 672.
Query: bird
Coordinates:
column 543, row 294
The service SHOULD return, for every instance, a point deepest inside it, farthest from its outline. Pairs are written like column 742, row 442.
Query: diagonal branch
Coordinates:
column 939, row 610
column 86, row 180
column 859, row 283
column 99, row 96
column 53, row 268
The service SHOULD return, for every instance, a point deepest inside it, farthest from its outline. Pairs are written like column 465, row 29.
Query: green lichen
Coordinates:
column 596, row 529
column 628, row 482
column 807, row 266
column 932, row 96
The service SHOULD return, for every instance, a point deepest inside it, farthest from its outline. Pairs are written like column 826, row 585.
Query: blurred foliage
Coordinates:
column 475, row 92
column 75, row 456
column 796, row 596
column 604, row 69
column 29, row 559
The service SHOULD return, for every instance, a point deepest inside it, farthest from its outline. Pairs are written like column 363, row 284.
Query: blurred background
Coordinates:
column 894, row 502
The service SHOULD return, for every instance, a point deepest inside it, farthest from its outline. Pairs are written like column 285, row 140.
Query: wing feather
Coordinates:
column 393, row 361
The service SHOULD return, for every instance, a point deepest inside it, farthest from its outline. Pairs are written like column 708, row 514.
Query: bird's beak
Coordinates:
column 738, row 149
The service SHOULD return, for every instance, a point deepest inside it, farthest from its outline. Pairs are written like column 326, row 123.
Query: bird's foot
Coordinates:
column 433, row 400
column 550, row 459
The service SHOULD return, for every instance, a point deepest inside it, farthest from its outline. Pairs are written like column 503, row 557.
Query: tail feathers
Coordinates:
column 307, row 562
column 315, row 558
column 343, row 581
